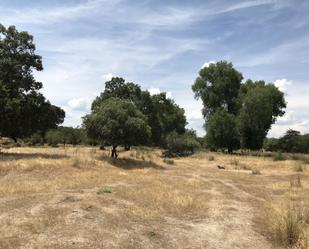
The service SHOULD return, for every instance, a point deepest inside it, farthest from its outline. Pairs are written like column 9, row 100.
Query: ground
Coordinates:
column 80, row 198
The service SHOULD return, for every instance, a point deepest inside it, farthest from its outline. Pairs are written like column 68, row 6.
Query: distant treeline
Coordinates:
column 238, row 114
column 292, row 142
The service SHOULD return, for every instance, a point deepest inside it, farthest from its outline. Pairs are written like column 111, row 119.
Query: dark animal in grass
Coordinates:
column 220, row 167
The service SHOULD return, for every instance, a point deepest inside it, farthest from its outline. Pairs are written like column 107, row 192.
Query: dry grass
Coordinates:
column 288, row 218
column 77, row 197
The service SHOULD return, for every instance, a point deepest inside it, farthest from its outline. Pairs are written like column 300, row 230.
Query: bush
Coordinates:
column 181, row 144
column 168, row 161
column 287, row 224
column 255, row 172
column 211, row 158
column 36, row 139
column 279, row 157
column 299, row 167
column 53, row 137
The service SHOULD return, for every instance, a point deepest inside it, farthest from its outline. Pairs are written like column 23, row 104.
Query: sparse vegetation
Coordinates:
column 168, row 161
column 105, row 190
column 279, row 156
column 127, row 193
column 255, row 172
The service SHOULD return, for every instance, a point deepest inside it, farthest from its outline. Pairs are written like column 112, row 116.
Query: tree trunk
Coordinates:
column 127, row 147
column 15, row 139
column 114, row 152
column 229, row 150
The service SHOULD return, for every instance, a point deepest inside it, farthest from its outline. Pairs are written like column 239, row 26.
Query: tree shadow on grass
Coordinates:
column 8, row 156
column 129, row 163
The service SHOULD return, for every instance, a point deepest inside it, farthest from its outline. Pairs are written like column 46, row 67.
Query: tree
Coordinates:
column 117, row 122
column 218, row 86
column 252, row 107
column 163, row 114
column 166, row 116
column 222, row 131
column 23, row 109
column 54, row 137
column 118, row 88
column 290, row 141
column 261, row 104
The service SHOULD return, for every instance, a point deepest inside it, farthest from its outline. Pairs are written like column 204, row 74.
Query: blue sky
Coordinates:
column 161, row 45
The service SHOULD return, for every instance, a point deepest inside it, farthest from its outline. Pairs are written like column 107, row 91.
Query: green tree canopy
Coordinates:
column 117, row 122
column 261, row 104
column 23, row 109
column 163, row 114
column 221, row 131
column 218, row 86
column 250, row 108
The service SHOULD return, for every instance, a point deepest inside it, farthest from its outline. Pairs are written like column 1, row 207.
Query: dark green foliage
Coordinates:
column 35, row 139
column 163, row 115
column 292, row 142
column 23, row 110
column 218, row 86
column 53, row 137
column 181, row 144
column 236, row 114
column 271, row 144
column 279, row 157
column 66, row 135
column 261, row 104
column 222, row 132
column 117, row 122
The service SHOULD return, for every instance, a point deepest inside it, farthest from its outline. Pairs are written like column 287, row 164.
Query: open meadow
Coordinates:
column 77, row 197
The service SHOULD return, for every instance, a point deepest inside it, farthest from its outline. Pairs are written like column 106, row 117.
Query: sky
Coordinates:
column 162, row 45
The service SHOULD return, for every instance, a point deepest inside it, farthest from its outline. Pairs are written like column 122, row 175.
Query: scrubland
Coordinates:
column 77, row 197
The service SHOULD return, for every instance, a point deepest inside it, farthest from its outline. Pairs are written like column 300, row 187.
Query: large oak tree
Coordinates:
column 23, row 109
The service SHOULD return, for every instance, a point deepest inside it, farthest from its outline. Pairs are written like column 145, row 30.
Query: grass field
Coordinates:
column 80, row 198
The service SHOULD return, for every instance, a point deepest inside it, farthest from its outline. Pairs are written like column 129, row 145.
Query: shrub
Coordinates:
column 279, row 157
column 181, row 144
column 105, row 190
column 168, row 161
column 35, row 139
column 255, row 172
column 287, row 224
column 299, row 167
column 53, row 137
column 211, row 158
column 235, row 162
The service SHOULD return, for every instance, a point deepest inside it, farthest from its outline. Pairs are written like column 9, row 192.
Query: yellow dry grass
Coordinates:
column 77, row 197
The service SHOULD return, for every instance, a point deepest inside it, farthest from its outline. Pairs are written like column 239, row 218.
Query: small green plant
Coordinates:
column 211, row 158
column 105, row 190
column 168, row 161
column 152, row 233
column 279, row 157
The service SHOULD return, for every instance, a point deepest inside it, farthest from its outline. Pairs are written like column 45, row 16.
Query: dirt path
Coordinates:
column 231, row 219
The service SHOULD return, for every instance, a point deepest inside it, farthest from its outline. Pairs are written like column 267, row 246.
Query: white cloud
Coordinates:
column 169, row 95
column 282, row 84
column 206, row 64
column 155, row 90
column 108, row 76
column 79, row 103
